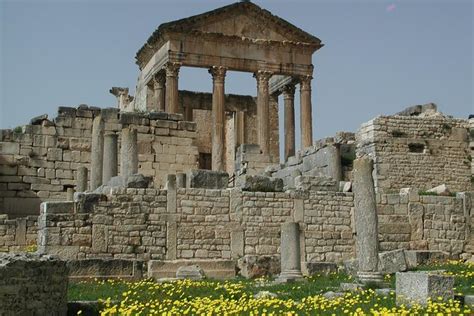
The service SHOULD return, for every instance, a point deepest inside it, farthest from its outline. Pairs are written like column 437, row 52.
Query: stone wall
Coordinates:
column 39, row 162
column 425, row 222
column 191, row 223
column 32, row 284
column 328, row 157
column 18, row 234
column 420, row 152
column 128, row 224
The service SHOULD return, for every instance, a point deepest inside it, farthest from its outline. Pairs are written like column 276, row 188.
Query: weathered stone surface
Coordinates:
column 97, row 152
column 315, row 183
column 105, row 268
column 81, row 179
column 87, row 201
column 332, row 295
column 110, row 165
column 392, row 261
column 321, row 267
column 257, row 183
column 415, row 258
column 128, row 152
column 264, row 295
column 193, row 272
column 366, row 221
column 207, row 179
column 418, row 287
column 258, row 266
column 38, row 119
column 138, row 181
column 469, row 300
column 290, row 253
column 32, row 284
column 440, row 190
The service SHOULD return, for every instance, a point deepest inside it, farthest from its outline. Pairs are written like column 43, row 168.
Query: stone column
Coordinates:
column 97, row 152
column 305, row 112
column 289, row 109
column 290, row 255
column 110, row 157
column 239, row 128
column 218, row 117
column 365, row 215
column 263, row 115
column 122, row 96
column 172, row 97
column 70, row 194
column 128, row 152
column 180, row 180
column 159, row 91
column 81, row 179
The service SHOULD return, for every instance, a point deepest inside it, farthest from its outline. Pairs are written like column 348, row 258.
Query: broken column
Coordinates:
column 128, row 152
column 290, row 253
column 365, row 214
column 97, row 152
column 122, row 97
column 81, row 179
column 110, row 157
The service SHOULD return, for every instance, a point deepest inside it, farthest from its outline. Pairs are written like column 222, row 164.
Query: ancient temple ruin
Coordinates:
column 171, row 177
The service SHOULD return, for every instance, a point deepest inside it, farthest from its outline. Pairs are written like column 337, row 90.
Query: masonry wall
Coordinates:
column 128, row 224
column 18, row 234
column 420, row 152
column 39, row 162
column 32, row 285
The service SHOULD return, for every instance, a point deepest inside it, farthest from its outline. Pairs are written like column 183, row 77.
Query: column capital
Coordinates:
column 119, row 91
column 172, row 69
column 159, row 79
column 262, row 76
column 288, row 91
column 305, row 82
column 218, row 73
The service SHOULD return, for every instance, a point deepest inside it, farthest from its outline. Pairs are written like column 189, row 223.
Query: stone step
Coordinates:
column 214, row 269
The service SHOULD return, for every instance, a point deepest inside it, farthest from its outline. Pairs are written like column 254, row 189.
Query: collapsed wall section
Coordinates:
column 39, row 161
column 417, row 151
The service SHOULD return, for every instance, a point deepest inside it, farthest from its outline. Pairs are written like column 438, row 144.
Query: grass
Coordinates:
column 237, row 296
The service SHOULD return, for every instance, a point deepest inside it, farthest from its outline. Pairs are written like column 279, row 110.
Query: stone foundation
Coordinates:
column 32, row 284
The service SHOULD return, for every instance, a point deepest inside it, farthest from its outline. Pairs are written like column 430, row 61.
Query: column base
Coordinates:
column 289, row 276
column 370, row 277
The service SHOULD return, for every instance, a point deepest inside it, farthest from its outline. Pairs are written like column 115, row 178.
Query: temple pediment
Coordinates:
column 238, row 20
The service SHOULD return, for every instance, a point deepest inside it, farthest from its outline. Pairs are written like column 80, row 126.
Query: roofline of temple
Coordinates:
column 181, row 24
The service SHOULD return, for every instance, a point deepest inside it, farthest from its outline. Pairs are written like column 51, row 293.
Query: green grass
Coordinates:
column 196, row 297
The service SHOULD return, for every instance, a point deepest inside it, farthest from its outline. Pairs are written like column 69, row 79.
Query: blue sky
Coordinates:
column 379, row 56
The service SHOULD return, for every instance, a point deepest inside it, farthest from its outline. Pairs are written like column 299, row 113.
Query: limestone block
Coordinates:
column 9, row 148
column 207, row 179
column 418, row 287
column 193, row 272
column 440, row 190
column 251, row 266
column 392, row 261
column 256, row 183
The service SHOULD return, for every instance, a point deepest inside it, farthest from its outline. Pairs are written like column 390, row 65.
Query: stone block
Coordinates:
column 207, row 179
column 418, row 287
column 9, row 148
column 392, row 261
column 258, row 266
column 320, row 267
column 315, row 183
column 256, row 183
column 193, row 272
column 415, row 258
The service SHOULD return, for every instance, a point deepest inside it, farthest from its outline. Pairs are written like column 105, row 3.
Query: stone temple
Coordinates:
column 171, row 178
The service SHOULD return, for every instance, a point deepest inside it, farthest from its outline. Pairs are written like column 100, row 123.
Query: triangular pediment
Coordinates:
column 242, row 19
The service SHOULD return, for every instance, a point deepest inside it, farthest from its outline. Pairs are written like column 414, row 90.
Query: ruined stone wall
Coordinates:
column 129, row 224
column 329, row 226
column 39, row 162
column 18, row 234
column 202, row 114
column 190, row 223
column 420, row 152
column 32, row 284
column 204, row 224
column 329, row 157
column 471, row 146
column 424, row 222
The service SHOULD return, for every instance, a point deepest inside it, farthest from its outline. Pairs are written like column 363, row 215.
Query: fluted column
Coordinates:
column 289, row 109
column 218, row 117
column 159, row 91
column 305, row 112
column 172, row 99
column 263, row 115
